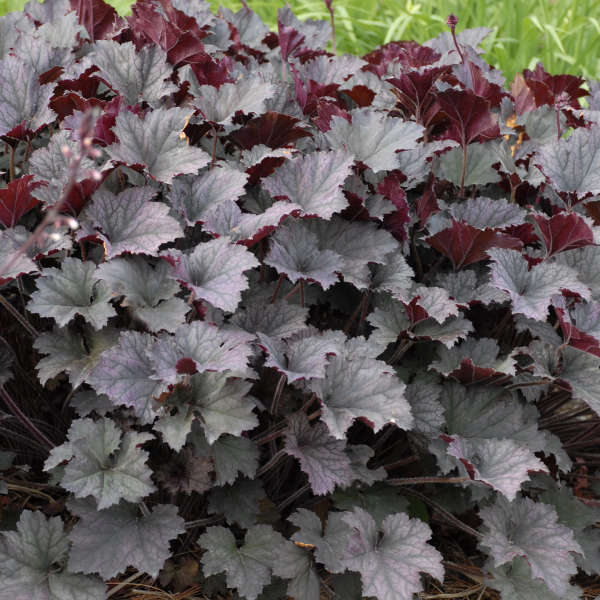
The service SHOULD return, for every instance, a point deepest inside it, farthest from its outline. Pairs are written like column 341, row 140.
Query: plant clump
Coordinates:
column 278, row 322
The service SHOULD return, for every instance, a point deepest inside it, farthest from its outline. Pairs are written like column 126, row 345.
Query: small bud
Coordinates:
column 87, row 142
column 55, row 237
column 94, row 153
column 66, row 151
column 95, row 175
column 452, row 21
column 72, row 223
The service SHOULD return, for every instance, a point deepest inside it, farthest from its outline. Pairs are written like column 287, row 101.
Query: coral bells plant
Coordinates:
column 292, row 324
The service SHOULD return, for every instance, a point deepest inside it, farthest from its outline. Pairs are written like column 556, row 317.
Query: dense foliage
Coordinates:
column 563, row 35
column 325, row 322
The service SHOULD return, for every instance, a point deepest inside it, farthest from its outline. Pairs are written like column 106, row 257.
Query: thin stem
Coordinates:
column 423, row 480
column 279, row 282
column 314, row 415
column 31, row 330
column 277, row 394
column 516, row 386
column 463, row 172
column 302, row 293
column 401, row 351
column 203, row 522
column 11, row 162
column 582, row 436
column 296, row 288
column 26, row 155
column 273, row 461
column 352, row 318
column 24, row 419
column 443, row 512
column 124, row 583
column 452, row 22
column 303, row 490
column 214, row 147
column 270, row 437
column 329, row 5
column 463, row 594
column 363, row 310
column 307, row 404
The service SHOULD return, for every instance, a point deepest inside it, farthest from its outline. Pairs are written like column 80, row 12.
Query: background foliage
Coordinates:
column 564, row 34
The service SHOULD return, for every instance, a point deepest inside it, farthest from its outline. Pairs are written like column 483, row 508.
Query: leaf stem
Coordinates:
column 363, row 310
column 24, row 419
column 329, row 5
column 270, row 437
column 463, row 172
column 272, row 462
column 124, row 583
column 296, row 288
column 452, row 22
column 307, row 404
column 401, row 351
column 443, row 512
column 352, row 318
column 300, row 492
column 11, row 162
column 214, row 148
column 423, row 480
column 277, row 287
column 277, row 394
column 314, row 415
column 463, row 594
column 31, row 330
column 203, row 522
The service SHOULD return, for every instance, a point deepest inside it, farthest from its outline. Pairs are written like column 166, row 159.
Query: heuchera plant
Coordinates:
column 318, row 320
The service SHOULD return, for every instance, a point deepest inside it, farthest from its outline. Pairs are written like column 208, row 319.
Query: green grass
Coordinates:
column 563, row 34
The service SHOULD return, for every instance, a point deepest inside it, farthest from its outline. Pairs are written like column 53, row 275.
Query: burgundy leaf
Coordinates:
column 525, row 232
column 397, row 221
column 470, row 116
column 213, row 72
column 178, row 34
column 474, row 79
column 361, row 95
column 522, row 94
column 563, row 232
column 469, row 373
column 16, row 200
column 186, row 366
column 290, row 40
column 409, row 54
column 100, row 19
column 272, row 129
column 592, row 208
column 70, row 102
column 327, row 110
column 574, row 336
column 417, row 93
column 464, row 244
column 427, row 204
column 415, row 312
column 558, row 90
